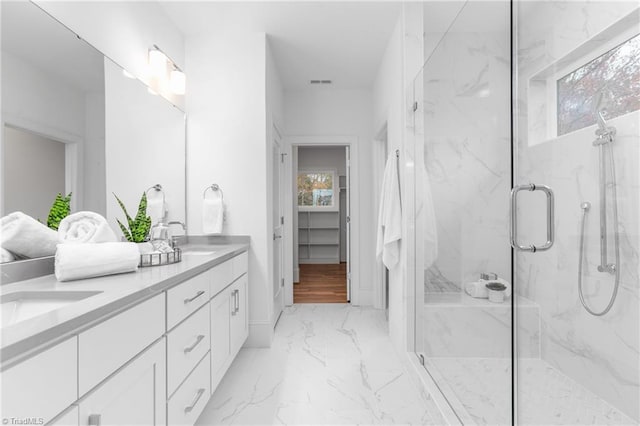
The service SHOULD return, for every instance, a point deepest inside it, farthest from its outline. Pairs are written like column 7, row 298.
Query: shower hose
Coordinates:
column 585, row 209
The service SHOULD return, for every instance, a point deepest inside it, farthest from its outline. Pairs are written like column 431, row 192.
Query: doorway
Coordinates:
column 322, row 230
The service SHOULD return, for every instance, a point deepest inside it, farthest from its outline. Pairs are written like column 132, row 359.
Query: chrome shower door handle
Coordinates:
column 550, row 217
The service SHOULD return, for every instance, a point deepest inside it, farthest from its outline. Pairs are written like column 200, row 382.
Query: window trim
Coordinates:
column 335, row 197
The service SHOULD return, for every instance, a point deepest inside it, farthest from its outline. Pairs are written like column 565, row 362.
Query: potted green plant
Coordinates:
column 138, row 228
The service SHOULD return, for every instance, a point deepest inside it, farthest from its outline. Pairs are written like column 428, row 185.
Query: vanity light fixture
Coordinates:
column 159, row 63
column 177, row 81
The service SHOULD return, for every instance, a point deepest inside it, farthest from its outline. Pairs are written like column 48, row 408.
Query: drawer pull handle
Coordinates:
column 234, row 294
column 95, row 420
column 198, row 294
column 195, row 401
column 237, row 301
column 196, row 343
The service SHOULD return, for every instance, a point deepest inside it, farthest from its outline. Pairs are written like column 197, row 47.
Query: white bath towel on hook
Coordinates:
column 213, row 212
column 390, row 216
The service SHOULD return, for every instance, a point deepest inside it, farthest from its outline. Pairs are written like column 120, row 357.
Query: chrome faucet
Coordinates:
column 174, row 238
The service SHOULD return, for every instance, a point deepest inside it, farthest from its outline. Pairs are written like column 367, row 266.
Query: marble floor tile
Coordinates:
column 328, row 364
column 545, row 395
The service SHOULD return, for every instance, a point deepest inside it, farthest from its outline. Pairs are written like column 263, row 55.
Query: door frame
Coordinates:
column 278, row 141
column 288, row 181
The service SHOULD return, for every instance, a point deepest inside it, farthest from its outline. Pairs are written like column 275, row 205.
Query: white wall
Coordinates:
column 392, row 100
column 123, row 31
column 388, row 96
column 227, row 145
column 342, row 112
column 322, row 158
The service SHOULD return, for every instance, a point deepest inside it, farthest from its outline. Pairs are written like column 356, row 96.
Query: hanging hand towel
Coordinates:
column 212, row 215
column 156, row 206
column 429, row 222
column 389, row 216
column 78, row 261
column 85, row 227
column 25, row 236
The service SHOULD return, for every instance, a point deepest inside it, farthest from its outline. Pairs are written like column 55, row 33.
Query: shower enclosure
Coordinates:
column 527, row 120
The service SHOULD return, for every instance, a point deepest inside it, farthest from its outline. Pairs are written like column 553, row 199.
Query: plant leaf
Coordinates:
column 125, row 231
column 124, row 209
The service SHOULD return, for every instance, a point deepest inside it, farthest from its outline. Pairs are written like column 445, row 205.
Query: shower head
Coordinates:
column 600, row 108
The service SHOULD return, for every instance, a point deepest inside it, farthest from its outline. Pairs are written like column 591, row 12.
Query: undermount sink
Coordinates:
column 22, row 305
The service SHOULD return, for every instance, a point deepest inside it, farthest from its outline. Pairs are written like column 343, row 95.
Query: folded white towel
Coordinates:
column 78, row 261
column 212, row 215
column 156, row 206
column 25, row 236
column 478, row 289
column 6, row 256
column 85, row 227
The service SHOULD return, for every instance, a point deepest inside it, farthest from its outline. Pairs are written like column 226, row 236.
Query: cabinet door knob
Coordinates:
column 195, row 401
column 95, row 419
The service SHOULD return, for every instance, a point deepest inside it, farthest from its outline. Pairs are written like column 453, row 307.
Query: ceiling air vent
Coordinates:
column 320, row 81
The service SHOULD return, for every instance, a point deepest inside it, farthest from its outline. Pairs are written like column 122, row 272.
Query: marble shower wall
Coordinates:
column 600, row 353
column 467, row 146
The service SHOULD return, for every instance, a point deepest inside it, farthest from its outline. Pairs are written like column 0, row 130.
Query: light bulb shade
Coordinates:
column 177, row 82
column 157, row 63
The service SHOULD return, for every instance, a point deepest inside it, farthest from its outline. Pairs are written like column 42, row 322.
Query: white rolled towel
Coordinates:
column 85, row 227
column 25, row 236
column 6, row 256
column 78, row 261
column 212, row 215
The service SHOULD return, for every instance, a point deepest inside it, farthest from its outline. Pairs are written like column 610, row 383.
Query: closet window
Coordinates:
column 317, row 189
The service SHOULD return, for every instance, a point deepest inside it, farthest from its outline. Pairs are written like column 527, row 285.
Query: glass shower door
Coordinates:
column 576, row 90
column 463, row 178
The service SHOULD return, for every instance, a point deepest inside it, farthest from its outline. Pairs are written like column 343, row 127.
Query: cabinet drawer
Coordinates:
column 222, row 276
column 43, row 385
column 192, row 396
column 240, row 264
column 109, row 345
column 186, row 298
column 186, row 345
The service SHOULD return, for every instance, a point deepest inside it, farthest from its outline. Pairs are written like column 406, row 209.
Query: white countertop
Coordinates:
column 118, row 292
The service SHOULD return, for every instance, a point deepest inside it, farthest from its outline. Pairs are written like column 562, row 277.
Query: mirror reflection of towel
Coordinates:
column 212, row 215
column 25, row 236
column 390, row 216
column 156, row 206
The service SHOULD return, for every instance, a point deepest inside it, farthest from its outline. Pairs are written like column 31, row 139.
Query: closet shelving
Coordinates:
column 319, row 236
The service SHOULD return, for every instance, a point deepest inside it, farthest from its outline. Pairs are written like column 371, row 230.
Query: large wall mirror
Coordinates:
column 73, row 121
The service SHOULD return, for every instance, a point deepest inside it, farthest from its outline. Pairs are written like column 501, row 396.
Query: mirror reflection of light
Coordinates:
column 157, row 63
column 177, row 82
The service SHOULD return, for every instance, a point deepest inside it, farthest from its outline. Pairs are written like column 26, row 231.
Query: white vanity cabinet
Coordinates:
column 135, row 395
column 154, row 363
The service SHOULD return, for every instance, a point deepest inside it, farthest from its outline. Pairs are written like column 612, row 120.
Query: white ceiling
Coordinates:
column 32, row 35
column 339, row 41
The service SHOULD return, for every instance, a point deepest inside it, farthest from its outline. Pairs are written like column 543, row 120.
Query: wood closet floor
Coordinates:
column 320, row 283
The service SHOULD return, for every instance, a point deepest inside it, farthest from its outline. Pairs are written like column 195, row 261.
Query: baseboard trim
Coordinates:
column 260, row 334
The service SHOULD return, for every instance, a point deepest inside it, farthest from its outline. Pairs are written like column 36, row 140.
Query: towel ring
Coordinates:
column 215, row 188
column 158, row 188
